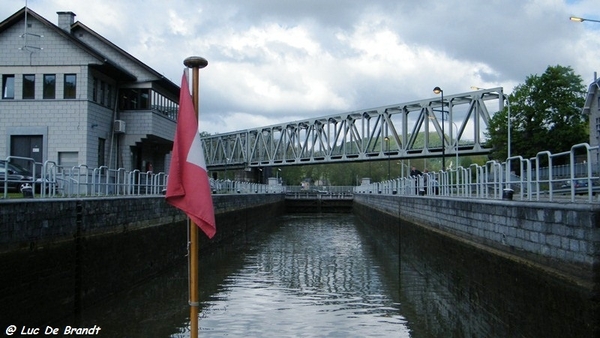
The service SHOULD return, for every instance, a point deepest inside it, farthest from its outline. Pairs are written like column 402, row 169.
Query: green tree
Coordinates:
column 545, row 115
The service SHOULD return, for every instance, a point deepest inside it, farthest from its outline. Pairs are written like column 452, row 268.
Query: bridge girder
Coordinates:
column 401, row 131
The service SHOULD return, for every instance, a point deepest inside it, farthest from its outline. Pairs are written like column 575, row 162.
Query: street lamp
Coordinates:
column 578, row 19
column 505, row 97
column 226, row 166
column 387, row 141
column 456, row 144
column 438, row 90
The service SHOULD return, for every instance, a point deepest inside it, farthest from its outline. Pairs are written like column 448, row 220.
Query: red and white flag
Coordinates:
column 188, row 187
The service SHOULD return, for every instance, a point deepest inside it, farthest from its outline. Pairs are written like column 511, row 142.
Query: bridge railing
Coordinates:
column 533, row 179
column 325, row 189
column 240, row 187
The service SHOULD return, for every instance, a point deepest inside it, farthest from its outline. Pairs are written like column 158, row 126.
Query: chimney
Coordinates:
column 65, row 20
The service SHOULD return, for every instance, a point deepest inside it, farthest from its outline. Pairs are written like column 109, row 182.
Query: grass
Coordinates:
column 11, row 195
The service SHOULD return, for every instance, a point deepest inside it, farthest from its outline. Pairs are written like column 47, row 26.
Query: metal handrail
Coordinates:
column 494, row 180
column 488, row 181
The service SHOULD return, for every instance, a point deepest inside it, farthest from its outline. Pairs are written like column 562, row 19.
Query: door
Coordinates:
column 30, row 146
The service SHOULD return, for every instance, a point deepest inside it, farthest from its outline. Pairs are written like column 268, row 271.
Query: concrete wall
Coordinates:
column 563, row 239
column 60, row 256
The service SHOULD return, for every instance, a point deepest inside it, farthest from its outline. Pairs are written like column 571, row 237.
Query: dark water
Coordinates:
column 314, row 276
column 334, row 276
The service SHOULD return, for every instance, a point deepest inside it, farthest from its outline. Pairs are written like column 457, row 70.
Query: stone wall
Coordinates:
column 563, row 239
column 59, row 256
column 29, row 223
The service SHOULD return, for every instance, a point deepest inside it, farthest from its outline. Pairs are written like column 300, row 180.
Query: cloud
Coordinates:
column 275, row 61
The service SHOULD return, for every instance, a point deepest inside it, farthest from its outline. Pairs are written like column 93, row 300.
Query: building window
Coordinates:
column 70, row 91
column 101, row 93
column 8, row 86
column 101, row 151
column 94, row 89
column 128, row 99
column 144, row 99
column 109, row 95
column 49, row 86
column 29, row 86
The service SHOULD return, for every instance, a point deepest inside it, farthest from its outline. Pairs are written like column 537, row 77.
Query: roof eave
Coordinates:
column 165, row 82
column 103, row 62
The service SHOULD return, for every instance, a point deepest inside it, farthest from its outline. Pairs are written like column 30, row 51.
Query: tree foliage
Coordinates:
column 545, row 114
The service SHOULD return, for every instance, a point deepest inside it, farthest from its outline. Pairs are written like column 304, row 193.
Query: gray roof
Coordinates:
column 104, row 65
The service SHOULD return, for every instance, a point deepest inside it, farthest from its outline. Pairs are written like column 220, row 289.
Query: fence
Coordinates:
column 81, row 181
column 534, row 179
column 238, row 187
column 102, row 181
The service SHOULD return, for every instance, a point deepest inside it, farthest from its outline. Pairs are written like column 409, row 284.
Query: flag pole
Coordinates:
column 195, row 63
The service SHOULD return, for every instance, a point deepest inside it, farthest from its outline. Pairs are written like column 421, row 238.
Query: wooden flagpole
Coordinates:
column 194, row 62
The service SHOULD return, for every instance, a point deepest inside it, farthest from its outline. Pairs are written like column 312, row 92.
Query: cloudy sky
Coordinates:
column 274, row 61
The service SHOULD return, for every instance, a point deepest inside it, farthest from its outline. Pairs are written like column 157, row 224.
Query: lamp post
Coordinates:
column 456, row 144
column 226, row 166
column 387, row 141
column 508, row 124
column 438, row 90
column 402, row 165
column 578, row 19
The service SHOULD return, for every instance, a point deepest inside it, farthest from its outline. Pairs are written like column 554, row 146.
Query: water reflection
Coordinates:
column 314, row 276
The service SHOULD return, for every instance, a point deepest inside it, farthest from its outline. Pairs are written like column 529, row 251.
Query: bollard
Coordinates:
column 507, row 194
column 27, row 190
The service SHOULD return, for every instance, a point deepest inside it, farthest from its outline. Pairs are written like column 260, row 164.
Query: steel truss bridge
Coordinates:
column 400, row 131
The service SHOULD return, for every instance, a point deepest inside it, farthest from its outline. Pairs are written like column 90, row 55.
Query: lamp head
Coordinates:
column 437, row 90
column 577, row 19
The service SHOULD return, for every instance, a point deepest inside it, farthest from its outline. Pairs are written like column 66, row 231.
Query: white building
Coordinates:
column 71, row 96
